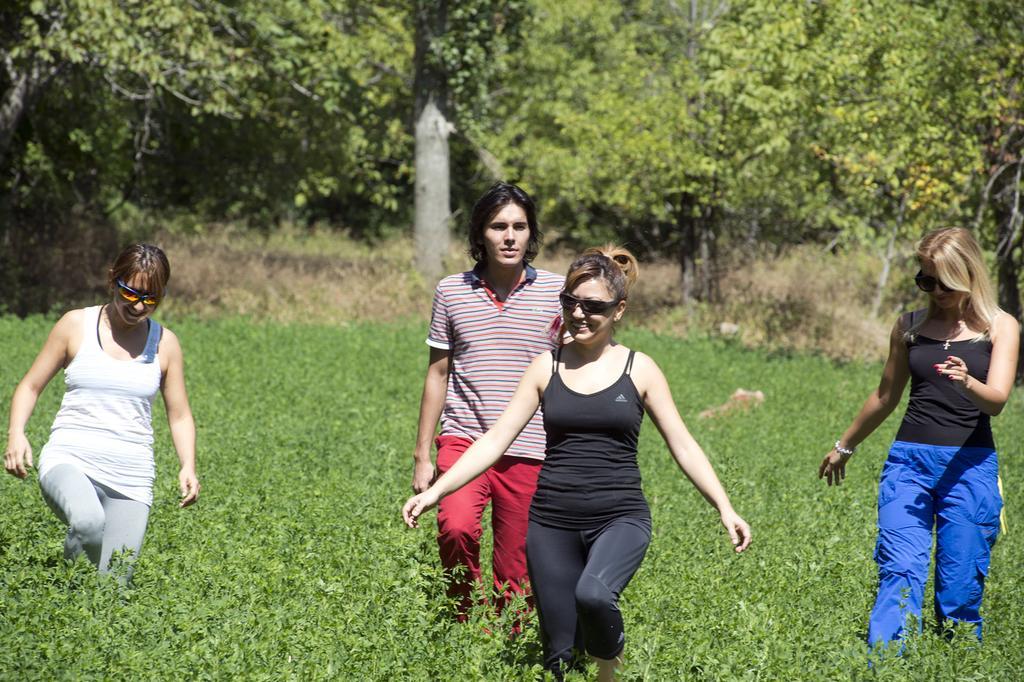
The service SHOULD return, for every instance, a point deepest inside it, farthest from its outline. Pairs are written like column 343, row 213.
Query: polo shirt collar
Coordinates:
column 476, row 275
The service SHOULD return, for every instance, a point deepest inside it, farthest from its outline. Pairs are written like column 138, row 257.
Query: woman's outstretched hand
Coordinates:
column 18, row 457
column 739, row 530
column 416, row 505
column 833, row 467
column 188, row 484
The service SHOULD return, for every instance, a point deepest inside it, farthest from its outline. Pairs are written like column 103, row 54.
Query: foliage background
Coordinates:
column 708, row 133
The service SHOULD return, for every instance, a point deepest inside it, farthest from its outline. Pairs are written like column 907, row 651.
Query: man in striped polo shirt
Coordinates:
column 486, row 326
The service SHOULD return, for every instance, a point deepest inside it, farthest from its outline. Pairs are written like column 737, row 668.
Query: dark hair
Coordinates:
column 142, row 259
column 611, row 264
column 493, row 200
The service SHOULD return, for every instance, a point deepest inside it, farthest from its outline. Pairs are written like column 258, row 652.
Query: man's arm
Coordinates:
column 435, row 386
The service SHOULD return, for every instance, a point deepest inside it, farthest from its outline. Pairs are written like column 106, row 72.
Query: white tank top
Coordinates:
column 104, row 426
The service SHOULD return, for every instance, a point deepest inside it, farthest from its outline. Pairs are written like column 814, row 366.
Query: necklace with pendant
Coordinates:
column 956, row 333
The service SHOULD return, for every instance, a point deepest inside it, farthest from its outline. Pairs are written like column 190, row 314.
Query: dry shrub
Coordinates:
column 294, row 276
column 299, row 275
column 806, row 300
column 657, row 292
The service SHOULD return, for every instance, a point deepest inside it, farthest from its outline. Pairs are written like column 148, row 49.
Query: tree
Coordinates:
column 247, row 110
column 888, row 122
column 655, row 123
column 432, row 128
column 112, row 58
column 998, row 65
column 693, row 128
column 462, row 50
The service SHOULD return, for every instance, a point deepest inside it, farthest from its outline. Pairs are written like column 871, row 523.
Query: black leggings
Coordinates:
column 577, row 576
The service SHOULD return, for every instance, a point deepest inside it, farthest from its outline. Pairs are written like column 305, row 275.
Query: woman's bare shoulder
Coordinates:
column 1005, row 325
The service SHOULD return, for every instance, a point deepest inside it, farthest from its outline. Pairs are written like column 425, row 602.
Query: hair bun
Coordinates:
column 623, row 259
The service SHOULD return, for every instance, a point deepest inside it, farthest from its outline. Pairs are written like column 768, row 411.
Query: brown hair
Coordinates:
column 613, row 265
column 146, row 260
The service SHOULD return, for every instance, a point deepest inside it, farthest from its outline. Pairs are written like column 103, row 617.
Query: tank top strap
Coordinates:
column 908, row 341
column 556, row 357
column 91, row 329
column 152, row 341
column 629, row 363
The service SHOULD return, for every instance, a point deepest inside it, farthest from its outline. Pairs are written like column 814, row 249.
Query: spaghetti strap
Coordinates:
column 629, row 363
column 913, row 321
column 556, row 356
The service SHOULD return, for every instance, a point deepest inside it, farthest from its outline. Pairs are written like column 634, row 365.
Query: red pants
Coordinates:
column 509, row 486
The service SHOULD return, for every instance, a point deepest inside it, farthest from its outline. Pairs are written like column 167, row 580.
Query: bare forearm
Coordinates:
column 431, row 405
column 989, row 400
column 694, row 463
column 871, row 415
column 989, row 396
column 22, row 404
column 478, row 458
column 430, row 414
column 183, row 435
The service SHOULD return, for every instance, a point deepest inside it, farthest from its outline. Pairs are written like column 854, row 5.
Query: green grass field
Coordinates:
column 295, row 563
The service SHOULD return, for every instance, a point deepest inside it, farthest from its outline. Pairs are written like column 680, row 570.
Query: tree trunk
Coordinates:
column 13, row 106
column 708, row 272
column 1009, row 300
column 698, row 253
column 687, row 255
column 1009, row 247
column 432, row 127
column 890, row 253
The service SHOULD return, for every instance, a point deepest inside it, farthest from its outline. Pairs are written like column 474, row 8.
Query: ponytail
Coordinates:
column 614, row 265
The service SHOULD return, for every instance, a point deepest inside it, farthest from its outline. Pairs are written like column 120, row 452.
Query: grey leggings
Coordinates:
column 100, row 520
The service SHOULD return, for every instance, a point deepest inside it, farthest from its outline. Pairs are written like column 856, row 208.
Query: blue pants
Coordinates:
column 956, row 491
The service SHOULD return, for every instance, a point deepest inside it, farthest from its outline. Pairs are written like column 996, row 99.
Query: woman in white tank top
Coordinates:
column 96, row 471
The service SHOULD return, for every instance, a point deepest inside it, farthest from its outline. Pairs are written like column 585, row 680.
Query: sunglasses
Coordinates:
column 589, row 306
column 133, row 296
column 927, row 283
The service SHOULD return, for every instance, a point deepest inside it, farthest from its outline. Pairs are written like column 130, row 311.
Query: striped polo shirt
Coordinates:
column 491, row 345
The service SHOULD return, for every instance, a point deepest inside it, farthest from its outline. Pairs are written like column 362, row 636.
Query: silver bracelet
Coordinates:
column 845, row 452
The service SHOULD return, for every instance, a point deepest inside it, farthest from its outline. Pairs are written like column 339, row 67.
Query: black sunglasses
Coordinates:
column 927, row 283
column 588, row 305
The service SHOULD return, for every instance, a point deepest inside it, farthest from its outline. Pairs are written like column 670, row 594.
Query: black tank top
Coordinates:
column 938, row 413
column 590, row 475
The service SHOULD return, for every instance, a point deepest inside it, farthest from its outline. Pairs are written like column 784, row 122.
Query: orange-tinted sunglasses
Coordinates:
column 133, row 296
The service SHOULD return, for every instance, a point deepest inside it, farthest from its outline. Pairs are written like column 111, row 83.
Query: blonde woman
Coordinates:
column 960, row 356
column 589, row 524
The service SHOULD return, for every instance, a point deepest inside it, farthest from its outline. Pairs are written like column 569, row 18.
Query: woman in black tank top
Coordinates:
column 960, row 357
column 589, row 521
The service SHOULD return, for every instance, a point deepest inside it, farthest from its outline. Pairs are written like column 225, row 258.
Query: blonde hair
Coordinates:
column 613, row 265
column 960, row 265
